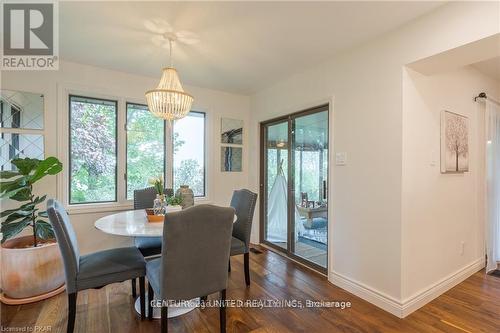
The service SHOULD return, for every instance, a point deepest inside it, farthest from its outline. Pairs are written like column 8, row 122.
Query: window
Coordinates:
column 92, row 149
column 145, row 147
column 189, row 153
column 99, row 172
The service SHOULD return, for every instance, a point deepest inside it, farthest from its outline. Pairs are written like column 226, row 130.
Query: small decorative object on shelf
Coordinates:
column 160, row 205
column 163, row 203
column 187, row 196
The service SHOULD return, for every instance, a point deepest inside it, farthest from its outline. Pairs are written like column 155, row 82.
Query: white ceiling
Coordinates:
column 243, row 46
column 490, row 67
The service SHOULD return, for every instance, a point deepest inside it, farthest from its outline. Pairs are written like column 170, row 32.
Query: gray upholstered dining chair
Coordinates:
column 149, row 246
column 243, row 201
column 93, row 270
column 194, row 258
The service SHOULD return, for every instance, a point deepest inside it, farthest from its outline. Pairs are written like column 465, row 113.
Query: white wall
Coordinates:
column 93, row 81
column 440, row 211
column 366, row 86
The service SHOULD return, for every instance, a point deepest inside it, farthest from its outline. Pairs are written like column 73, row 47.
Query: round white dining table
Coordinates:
column 134, row 223
column 130, row 223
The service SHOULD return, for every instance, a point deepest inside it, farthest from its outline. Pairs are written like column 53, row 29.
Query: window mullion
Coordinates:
column 121, row 157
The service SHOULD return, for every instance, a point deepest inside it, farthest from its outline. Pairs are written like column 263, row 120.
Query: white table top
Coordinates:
column 131, row 223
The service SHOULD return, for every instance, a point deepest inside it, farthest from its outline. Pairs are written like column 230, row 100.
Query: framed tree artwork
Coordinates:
column 454, row 143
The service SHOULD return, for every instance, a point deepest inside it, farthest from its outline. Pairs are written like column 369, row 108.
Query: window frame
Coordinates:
column 165, row 150
column 204, row 196
column 116, row 102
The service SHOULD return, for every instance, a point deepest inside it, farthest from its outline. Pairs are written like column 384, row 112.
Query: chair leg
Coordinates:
column 151, row 295
column 134, row 292
column 246, row 258
column 164, row 319
column 222, row 311
column 71, row 312
column 229, row 266
column 142, row 296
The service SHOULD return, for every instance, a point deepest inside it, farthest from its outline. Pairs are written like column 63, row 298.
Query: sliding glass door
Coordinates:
column 276, row 189
column 294, row 185
column 309, row 186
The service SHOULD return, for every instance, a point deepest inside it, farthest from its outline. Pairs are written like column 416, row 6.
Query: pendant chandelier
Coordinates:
column 169, row 101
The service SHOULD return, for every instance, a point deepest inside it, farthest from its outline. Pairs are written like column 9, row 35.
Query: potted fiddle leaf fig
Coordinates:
column 31, row 264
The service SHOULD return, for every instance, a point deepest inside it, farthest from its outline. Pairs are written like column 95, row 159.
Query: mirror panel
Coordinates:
column 19, row 109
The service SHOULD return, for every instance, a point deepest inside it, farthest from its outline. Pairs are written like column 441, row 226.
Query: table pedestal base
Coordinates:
column 173, row 311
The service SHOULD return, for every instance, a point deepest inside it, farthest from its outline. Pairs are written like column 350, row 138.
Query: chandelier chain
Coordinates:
column 170, row 52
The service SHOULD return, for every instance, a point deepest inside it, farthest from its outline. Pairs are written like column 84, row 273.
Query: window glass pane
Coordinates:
column 15, row 145
column 145, row 147
column 92, row 150
column 189, row 152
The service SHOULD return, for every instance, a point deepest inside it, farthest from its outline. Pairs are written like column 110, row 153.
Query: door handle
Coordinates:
column 324, row 190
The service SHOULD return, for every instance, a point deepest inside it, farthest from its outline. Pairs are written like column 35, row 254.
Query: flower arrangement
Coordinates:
column 158, row 185
column 162, row 200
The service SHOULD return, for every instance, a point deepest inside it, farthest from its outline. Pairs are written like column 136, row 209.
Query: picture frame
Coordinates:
column 455, row 133
column 231, row 131
column 231, row 159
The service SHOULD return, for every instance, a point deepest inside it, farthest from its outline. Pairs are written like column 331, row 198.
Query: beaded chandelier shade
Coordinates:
column 169, row 101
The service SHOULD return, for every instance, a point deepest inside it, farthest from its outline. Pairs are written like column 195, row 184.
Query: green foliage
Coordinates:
column 188, row 160
column 177, row 142
column 93, row 152
column 174, row 200
column 145, row 147
column 189, row 173
column 146, row 150
column 19, row 187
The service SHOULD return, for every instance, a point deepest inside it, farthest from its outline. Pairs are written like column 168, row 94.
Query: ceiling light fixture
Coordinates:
column 169, row 101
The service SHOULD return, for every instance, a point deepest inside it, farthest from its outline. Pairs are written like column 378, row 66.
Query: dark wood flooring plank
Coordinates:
column 472, row 306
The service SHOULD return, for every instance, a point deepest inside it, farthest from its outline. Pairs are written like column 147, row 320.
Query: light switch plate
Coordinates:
column 340, row 158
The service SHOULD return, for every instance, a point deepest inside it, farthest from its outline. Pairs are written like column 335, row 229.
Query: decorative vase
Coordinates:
column 187, row 196
column 159, row 205
column 30, row 274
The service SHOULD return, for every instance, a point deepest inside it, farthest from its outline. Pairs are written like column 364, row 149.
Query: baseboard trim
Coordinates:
column 409, row 305
column 423, row 297
column 377, row 298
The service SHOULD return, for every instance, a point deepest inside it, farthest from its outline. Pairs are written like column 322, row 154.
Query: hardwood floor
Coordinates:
column 311, row 253
column 472, row 306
